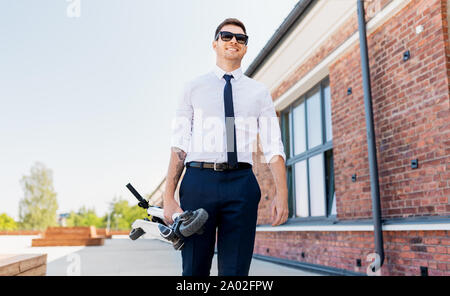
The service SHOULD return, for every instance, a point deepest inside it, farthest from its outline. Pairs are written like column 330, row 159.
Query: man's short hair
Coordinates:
column 230, row 21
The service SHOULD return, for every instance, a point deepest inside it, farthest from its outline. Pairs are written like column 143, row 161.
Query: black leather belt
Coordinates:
column 218, row 166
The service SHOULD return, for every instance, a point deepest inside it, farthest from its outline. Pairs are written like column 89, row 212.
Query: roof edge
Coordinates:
column 296, row 13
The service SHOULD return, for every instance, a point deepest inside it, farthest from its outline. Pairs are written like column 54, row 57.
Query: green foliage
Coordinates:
column 85, row 217
column 7, row 223
column 37, row 210
column 123, row 215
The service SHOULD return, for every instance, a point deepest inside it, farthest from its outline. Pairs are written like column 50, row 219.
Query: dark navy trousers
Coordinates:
column 231, row 199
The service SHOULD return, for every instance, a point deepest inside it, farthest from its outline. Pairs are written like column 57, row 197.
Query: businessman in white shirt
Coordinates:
column 218, row 118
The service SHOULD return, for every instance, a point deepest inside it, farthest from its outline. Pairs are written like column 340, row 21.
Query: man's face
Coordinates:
column 230, row 50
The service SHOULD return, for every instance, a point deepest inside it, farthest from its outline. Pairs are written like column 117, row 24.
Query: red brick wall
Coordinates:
column 445, row 24
column 411, row 115
column 261, row 169
column 405, row 251
column 411, row 118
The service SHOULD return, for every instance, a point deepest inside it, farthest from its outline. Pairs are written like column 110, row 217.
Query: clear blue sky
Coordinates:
column 92, row 97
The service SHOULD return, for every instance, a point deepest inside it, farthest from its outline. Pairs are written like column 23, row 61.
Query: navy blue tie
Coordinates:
column 229, row 122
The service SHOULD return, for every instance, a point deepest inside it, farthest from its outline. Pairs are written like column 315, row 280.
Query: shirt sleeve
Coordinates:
column 182, row 123
column 269, row 129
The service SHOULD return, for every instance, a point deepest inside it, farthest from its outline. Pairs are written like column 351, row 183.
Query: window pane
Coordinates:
column 333, row 206
column 329, row 179
column 327, row 101
column 285, row 134
column 301, row 189
column 290, row 183
column 317, row 186
column 299, row 128
column 314, row 120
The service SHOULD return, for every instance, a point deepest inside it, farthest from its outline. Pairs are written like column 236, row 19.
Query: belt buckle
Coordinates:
column 216, row 169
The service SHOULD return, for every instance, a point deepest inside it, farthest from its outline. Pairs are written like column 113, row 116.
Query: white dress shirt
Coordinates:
column 199, row 124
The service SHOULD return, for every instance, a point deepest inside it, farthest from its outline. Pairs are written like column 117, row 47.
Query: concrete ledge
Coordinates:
column 120, row 232
column 102, row 232
column 23, row 264
column 411, row 224
column 324, row 270
column 55, row 242
column 69, row 236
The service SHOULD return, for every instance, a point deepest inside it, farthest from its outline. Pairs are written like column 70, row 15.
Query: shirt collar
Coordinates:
column 219, row 72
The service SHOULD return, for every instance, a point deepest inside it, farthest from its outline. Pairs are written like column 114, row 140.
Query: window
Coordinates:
column 307, row 137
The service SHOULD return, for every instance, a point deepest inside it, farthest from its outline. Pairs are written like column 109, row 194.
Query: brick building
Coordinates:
column 312, row 66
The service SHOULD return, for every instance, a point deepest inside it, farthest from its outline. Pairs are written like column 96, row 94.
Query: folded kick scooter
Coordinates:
column 185, row 224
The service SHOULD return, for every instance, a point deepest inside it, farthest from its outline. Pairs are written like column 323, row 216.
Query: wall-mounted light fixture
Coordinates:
column 406, row 55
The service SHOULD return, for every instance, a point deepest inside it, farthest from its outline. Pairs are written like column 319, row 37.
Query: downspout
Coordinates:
column 373, row 167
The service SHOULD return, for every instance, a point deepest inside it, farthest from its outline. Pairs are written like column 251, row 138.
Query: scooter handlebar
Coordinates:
column 158, row 212
column 142, row 202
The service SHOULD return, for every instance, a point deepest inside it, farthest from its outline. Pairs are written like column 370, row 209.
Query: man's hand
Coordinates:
column 279, row 209
column 176, row 166
column 170, row 207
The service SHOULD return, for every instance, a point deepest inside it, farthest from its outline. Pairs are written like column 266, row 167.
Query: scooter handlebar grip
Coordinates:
column 175, row 215
column 135, row 193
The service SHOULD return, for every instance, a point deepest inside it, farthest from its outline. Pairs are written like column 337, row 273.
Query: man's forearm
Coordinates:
column 174, row 172
column 278, row 170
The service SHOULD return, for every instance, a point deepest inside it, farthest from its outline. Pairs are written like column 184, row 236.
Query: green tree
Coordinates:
column 37, row 210
column 7, row 223
column 123, row 215
column 85, row 217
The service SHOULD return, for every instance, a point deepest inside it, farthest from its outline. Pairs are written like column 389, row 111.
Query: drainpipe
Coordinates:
column 374, row 186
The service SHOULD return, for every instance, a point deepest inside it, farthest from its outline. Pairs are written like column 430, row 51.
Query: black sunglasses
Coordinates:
column 227, row 36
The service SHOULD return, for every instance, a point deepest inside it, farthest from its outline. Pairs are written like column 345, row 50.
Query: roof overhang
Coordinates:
column 309, row 25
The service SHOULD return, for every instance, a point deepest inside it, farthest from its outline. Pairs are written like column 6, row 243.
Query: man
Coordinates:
column 219, row 176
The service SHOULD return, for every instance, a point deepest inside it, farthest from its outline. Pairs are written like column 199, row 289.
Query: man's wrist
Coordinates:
column 168, row 197
column 283, row 193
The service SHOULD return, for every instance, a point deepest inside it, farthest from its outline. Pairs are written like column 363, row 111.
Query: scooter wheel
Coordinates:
column 194, row 224
column 136, row 233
